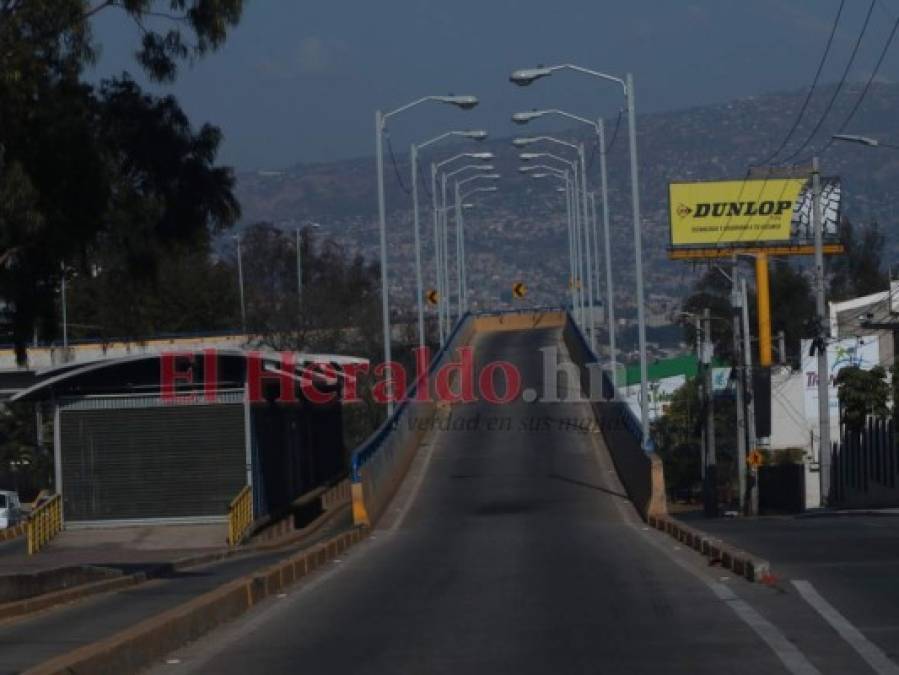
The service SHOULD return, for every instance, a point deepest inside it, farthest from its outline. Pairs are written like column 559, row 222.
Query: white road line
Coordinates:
column 790, row 655
column 871, row 653
column 786, row 651
column 419, row 479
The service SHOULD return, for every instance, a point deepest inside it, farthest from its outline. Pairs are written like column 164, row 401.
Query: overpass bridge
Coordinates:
column 512, row 538
column 509, row 536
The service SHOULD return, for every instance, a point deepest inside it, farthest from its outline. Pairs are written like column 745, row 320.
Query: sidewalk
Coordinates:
column 127, row 548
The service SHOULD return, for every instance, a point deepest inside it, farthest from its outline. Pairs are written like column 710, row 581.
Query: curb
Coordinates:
column 10, row 533
column 11, row 610
column 150, row 640
column 730, row 557
column 38, row 603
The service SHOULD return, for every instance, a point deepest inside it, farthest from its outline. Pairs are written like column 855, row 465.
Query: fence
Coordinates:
column 865, row 466
column 240, row 516
column 44, row 523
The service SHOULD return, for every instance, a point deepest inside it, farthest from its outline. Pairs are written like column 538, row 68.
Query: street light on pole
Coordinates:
column 545, row 171
column 467, row 205
column 599, row 128
column 583, row 220
column 576, row 220
column 460, row 235
column 299, row 245
column 440, row 236
column 243, row 306
column 476, row 135
column 444, row 179
column 463, row 102
column 527, row 76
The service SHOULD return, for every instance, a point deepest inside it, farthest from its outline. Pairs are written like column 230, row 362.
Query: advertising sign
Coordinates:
column 750, row 213
column 861, row 352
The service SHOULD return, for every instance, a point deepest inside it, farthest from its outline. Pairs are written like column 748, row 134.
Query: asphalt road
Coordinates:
column 852, row 559
column 511, row 549
column 30, row 640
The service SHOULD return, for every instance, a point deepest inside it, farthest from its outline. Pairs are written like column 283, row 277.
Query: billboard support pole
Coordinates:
column 736, row 301
column 763, row 287
column 753, row 506
column 823, row 379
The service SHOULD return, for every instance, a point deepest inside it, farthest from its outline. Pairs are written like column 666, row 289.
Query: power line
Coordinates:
column 861, row 98
column 396, row 168
column 811, row 91
column 615, row 132
column 839, row 87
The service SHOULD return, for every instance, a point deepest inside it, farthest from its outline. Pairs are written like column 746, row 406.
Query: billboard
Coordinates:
column 750, row 213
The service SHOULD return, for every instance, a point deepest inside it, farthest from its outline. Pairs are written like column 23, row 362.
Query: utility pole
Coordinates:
column 65, row 322
column 736, row 301
column 243, row 306
column 710, row 486
column 750, row 401
column 823, row 372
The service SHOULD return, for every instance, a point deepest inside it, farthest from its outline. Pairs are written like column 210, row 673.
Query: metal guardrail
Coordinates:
column 240, row 516
column 44, row 523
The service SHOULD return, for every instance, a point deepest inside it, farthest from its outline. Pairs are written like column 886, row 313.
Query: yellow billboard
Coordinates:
column 747, row 212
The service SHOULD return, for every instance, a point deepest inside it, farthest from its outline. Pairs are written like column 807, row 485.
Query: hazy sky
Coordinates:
column 299, row 80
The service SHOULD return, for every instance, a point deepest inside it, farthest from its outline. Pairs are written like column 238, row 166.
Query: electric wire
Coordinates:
column 396, row 167
column 811, row 90
column 839, row 87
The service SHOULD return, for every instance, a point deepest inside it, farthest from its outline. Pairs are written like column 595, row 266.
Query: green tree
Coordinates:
column 862, row 393
column 859, row 271
column 99, row 179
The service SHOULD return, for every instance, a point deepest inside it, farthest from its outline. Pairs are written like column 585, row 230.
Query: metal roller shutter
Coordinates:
column 181, row 461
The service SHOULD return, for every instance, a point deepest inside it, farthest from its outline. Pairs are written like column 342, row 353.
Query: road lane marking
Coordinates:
column 871, row 653
column 790, row 655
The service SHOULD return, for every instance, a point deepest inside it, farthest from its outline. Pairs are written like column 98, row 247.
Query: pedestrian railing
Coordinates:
column 240, row 516
column 44, row 523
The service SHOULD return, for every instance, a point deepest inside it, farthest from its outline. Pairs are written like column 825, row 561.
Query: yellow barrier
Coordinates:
column 240, row 516
column 44, row 523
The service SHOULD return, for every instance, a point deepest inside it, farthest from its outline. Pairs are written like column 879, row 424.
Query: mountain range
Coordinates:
column 518, row 234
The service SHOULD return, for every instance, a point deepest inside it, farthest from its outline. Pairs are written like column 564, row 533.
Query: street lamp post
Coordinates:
column 478, row 135
column 460, row 237
column 243, row 306
column 576, row 220
column 299, row 245
column 440, row 236
column 545, row 171
column 526, row 77
column 584, row 221
column 444, row 179
column 464, row 102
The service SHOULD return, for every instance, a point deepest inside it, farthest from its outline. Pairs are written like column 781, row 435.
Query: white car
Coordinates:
column 10, row 509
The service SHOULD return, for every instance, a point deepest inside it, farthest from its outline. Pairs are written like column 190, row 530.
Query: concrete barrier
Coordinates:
column 641, row 472
column 738, row 561
column 14, row 587
column 519, row 320
column 147, row 642
column 10, row 533
column 10, row 610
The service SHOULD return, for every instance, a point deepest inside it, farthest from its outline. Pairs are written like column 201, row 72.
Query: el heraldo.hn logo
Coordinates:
column 728, row 209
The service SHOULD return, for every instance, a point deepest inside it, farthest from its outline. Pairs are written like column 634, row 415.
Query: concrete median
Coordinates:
column 739, row 562
column 641, row 473
column 145, row 643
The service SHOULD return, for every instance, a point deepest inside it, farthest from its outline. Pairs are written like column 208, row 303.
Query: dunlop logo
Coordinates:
column 721, row 209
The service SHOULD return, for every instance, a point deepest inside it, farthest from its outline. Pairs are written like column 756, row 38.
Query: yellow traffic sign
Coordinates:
column 432, row 296
column 519, row 290
column 754, row 459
